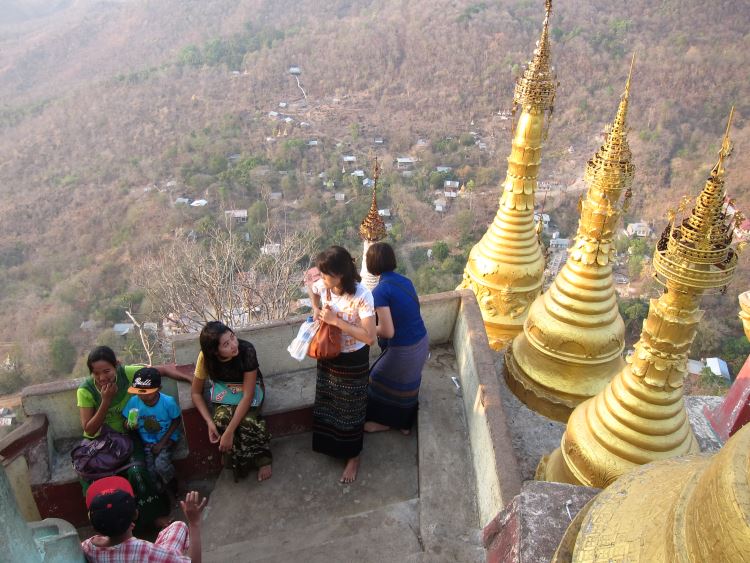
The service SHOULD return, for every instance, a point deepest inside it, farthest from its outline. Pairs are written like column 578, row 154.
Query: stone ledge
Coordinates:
column 531, row 527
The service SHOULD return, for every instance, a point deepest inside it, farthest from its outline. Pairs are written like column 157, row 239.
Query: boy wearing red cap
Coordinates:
column 112, row 512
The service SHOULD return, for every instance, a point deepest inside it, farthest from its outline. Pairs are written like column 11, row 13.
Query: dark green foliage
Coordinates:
column 230, row 51
column 440, row 251
column 633, row 313
column 62, row 355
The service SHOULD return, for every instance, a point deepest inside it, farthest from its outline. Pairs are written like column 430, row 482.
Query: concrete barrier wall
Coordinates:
column 57, row 401
column 498, row 478
column 272, row 338
column 17, row 471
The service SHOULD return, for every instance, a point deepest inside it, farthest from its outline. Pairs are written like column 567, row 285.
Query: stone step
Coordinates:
column 304, row 490
column 448, row 512
column 385, row 534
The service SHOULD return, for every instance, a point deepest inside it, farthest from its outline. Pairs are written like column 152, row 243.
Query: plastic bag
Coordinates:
column 301, row 343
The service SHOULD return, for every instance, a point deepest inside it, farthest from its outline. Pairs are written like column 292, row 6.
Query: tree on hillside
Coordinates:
column 221, row 277
column 440, row 251
column 62, row 355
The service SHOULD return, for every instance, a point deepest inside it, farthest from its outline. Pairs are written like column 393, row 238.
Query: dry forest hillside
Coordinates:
column 110, row 110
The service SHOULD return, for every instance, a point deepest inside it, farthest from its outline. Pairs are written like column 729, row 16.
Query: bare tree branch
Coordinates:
column 219, row 278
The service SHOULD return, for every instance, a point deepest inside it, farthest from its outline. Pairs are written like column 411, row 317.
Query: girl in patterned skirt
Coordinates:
column 238, row 428
column 341, row 386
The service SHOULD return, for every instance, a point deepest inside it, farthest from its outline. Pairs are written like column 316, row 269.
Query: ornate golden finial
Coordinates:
column 537, row 85
column 572, row 341
column 376, row 170
column 697, row 252
column 372, row 228
column 726, row 148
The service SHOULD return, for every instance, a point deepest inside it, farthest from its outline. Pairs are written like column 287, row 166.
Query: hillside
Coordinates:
column 112, row 109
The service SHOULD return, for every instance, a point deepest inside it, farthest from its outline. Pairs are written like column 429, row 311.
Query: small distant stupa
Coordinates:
column 371, row 230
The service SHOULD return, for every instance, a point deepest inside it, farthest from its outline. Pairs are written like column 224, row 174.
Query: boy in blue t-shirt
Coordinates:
column 157, row 418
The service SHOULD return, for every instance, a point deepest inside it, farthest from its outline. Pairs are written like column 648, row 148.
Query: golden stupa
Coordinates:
column 691, row 509
column 572, row 341
column 505, row 267
column 640, row 415
column 371, row 230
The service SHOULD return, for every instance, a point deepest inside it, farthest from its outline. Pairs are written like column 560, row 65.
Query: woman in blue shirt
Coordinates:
column 393, row 393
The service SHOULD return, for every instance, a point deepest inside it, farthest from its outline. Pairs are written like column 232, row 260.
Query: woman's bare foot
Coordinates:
column 405, row 431
column 350, row 471
column 375, row 427
column 265, row 472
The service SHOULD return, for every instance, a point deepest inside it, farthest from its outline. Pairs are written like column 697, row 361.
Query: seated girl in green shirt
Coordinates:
column 101, row 398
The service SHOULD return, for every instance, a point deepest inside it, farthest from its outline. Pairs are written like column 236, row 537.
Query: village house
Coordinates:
column 199, row 203
column 451, row 185
column 556, row 244
column 641, row 230
column 441, row 205
column 443, row 169
column 271, row 249
column 339, row 196
column 719, row 368
column 384, row 212
column 236, row 215
column 122, row 329
column 404, row 162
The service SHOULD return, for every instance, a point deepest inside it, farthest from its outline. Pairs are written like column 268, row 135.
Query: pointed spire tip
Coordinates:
column 630, row 75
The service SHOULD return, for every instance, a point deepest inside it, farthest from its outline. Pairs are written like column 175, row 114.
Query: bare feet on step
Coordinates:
column 350, row 471
column 405, row 431
column 264, row 473
column 375, row 427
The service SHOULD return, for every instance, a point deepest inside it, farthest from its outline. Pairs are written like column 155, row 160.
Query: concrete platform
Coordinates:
column 414, row 498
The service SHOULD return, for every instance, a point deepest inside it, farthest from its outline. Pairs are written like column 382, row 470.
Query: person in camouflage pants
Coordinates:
column 251, row 448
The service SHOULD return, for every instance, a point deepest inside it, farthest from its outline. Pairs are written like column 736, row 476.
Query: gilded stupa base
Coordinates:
column 526, row 366
column 624, row 426
column 692, row 508
column 500, row 336
column 552, row 467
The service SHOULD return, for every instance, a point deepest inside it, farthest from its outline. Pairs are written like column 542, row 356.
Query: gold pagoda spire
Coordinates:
column 372, row 228
column 505, row 267
column 640, row 415
column 690, row 509
column 572, row 341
